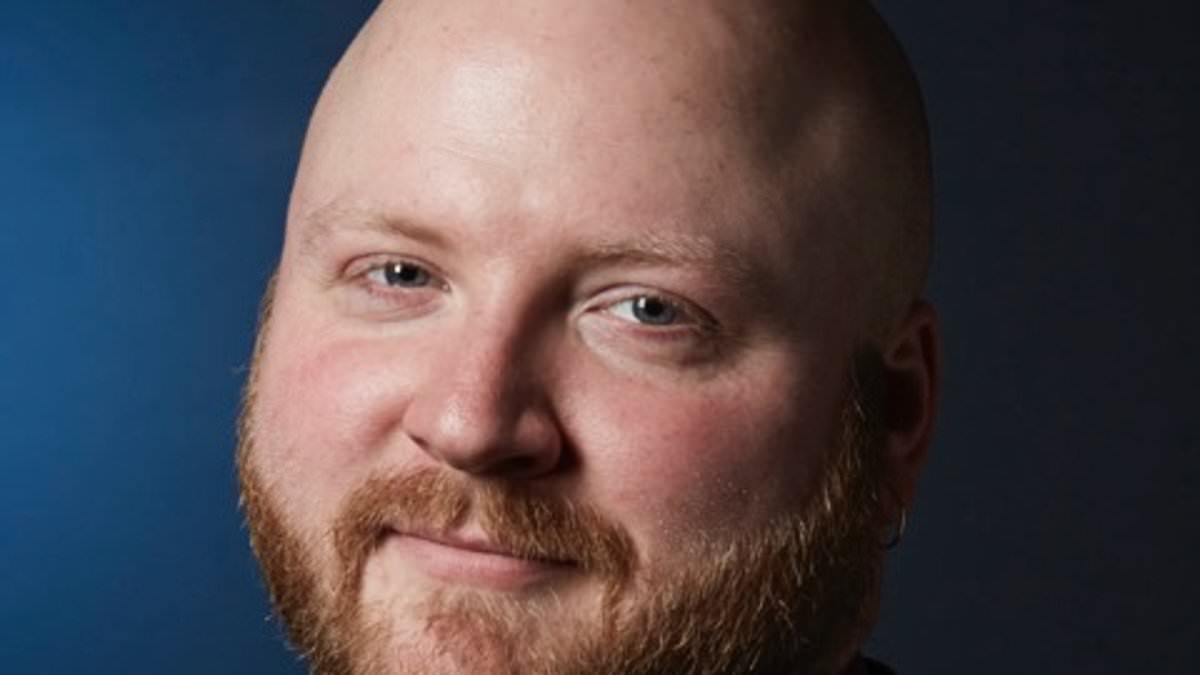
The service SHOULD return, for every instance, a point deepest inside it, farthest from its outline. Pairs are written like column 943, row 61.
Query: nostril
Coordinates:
column 517, row 465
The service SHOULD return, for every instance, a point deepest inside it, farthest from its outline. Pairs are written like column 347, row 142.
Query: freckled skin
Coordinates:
column 526, row 136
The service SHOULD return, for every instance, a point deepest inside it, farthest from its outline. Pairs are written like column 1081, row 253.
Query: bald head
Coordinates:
column 816, row 97
column 617, row 257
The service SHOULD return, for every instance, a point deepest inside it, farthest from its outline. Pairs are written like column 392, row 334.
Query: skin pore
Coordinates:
column 595, row 344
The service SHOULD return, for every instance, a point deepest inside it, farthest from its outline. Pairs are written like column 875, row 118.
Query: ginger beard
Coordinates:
column 794, row 595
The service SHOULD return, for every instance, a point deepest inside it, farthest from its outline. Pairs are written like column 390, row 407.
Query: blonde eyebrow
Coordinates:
column 323, row 222
column 648, row 248
column 675, row 250
column 731, row 269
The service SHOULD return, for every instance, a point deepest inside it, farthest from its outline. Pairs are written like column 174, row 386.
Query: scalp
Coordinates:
column 821, row 93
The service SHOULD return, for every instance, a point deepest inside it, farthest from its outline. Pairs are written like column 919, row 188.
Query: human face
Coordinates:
column 501, row 302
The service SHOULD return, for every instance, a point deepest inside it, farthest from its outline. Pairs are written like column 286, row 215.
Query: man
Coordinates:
column 596, row 343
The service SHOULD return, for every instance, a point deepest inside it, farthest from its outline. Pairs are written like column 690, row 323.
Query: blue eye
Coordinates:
column 647, row 309
column 405, row 275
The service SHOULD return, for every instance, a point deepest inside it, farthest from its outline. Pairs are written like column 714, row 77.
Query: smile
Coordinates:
column 466, row 560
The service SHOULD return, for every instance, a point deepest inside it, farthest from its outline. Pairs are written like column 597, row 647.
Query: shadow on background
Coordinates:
column 146, row 151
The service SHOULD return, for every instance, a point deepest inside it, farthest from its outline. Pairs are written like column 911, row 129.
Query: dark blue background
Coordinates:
column 146, row 151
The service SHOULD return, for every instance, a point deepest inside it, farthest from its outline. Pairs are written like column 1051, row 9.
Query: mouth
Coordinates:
column 467, row 558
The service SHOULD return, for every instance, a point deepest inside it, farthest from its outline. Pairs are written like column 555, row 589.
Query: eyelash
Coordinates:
column 385, row 266
column 379, row 292
column 685, row 315
column 692, row 319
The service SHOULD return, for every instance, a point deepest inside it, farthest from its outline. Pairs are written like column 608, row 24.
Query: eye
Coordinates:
column 651, row 310
column 400, row 274
column 391, row 287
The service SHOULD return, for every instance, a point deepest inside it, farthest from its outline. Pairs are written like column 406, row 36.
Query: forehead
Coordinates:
column 685, row 86
column 511, row 94
column 589, row 120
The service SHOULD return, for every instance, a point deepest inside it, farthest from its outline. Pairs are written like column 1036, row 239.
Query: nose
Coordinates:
column 484, row 410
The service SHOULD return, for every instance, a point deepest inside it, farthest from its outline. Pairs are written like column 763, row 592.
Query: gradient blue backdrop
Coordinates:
column 146, row 151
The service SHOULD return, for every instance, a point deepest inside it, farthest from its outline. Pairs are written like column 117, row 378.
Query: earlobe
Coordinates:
column 911, row 383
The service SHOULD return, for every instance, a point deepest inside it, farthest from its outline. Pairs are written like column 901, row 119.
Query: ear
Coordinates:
column 911, row 383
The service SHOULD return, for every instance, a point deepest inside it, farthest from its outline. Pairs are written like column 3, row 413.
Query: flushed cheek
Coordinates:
column 320, row 425
column 670, row 466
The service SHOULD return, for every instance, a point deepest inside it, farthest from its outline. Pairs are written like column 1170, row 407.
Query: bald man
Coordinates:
column 596, row 344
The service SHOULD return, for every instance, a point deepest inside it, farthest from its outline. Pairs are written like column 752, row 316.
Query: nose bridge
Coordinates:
column 482, row 374
column 484, row 407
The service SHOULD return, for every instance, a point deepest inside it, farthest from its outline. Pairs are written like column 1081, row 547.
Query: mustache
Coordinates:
column 515, row 518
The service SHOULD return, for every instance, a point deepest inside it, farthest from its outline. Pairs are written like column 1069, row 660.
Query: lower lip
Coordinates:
column 468, row 567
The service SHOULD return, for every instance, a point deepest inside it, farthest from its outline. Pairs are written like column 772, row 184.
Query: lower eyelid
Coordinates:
column 679, row 346
column 684, row 330
column 375, row 298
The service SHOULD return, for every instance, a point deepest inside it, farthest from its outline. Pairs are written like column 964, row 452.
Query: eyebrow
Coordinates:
column 673, row 250
column 647, row 249
column 320, row 224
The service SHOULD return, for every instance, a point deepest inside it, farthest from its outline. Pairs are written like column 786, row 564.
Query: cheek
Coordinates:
column 322, row 421
column 718, row 457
